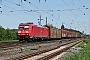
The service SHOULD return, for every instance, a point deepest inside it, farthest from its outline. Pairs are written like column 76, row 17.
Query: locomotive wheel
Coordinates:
column 20, row 40
column 29, row 40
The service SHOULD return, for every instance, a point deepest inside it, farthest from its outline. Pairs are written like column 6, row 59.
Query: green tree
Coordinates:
column 2, row 30
column 7, row 34
column 51, row 25
column 14, row 34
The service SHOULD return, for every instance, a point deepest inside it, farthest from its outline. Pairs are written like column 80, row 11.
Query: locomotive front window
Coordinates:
column 23, row 27
column 26, row 27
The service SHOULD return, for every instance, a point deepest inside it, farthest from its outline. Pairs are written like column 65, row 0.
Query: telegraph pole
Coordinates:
column 46, row 21
column 39, row 20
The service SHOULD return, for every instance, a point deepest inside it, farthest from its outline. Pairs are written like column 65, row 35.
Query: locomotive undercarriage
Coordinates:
column 28, row 38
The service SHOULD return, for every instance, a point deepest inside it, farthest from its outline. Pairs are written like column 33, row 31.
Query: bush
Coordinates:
column 84, row 55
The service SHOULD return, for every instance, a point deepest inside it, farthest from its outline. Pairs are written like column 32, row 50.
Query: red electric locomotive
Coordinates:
column 29, row 31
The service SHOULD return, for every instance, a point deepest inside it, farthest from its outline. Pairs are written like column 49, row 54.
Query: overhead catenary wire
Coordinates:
column 76, row 6
column 37, row 9
column 44, row 10
column 28, row 10
column 69, row 9
column 81, row 3
column 40, row 9
column 14, row 17
column 81, row 10
column 47, row 12
column 17, row 5
column 24, row 11
column 11, row 11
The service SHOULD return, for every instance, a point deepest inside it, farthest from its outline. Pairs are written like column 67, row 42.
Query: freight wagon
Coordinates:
column 54, row 33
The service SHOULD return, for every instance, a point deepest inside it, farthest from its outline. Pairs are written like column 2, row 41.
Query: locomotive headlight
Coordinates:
column 19, row 31
column 18, row 34
column 26, row 31
column 27, row 34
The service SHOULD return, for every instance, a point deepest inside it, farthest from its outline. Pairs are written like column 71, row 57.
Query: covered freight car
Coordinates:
column 65, row 33
column 54, row 33
column 68, row 34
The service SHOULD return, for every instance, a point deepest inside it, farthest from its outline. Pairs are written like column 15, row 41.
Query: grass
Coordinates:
column 84, row 54
column 9, row 40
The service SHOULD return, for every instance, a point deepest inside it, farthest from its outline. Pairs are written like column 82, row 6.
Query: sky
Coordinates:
column 74, row 14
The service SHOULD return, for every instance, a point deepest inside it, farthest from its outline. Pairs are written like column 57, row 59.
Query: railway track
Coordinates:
column 5, row 45
column 43, row 50
column 58, row 52
column 9, row 44
column 9, row 50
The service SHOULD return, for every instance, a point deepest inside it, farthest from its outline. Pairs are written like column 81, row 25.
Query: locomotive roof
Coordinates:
column 33, row 24
column 27, row 23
